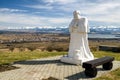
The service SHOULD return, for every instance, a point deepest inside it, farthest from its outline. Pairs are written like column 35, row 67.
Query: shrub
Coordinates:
column 49, row 48
column 31, row 48
column 11, row 48
column 59, row 49
column 22, row 49
column 94, row 48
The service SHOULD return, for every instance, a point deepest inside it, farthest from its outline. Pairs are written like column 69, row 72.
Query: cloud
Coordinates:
column 11, row 10
column 103, row 8
column 105, row 18
column 59, row 20
column 26, row 19
column 59, row 1
column 59, row 12
column 20, row 19
column 89, row 7
column 102, row 11
column 48, row 7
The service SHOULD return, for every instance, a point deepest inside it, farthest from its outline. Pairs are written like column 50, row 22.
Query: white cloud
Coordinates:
column 89, row 7
column 31, row 19
column 59, row 20
column 100, row 8
column 102, row 11
column 11, row 10
column 20, row 19
column 105, row 18
column 40, row 6
column 60, row 1
column 48, row 1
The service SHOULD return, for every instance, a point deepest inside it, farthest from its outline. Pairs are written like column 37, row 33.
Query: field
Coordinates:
column 43, row 42
column 19, row 47
column 113, row 75
column 56, row 43
column 10, row 57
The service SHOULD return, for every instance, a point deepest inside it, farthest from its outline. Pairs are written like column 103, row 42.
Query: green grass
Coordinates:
column 99, row 54
column 9, row 57
column 113, row 75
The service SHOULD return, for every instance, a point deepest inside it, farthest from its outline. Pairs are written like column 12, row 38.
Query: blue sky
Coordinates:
column 57, row 13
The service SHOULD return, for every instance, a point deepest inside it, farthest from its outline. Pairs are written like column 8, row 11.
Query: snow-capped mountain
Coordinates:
column 64, row 29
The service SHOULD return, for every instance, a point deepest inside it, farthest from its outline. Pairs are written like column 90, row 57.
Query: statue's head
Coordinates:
column 76, row 14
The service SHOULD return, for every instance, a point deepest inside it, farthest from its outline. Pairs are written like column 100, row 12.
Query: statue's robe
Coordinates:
column 79, row 51
column 79, row 40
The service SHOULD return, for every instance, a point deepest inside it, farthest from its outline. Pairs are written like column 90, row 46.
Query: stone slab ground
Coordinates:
column 49, row 67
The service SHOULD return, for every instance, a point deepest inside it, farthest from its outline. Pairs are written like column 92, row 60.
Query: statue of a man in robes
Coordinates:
column 79, row 51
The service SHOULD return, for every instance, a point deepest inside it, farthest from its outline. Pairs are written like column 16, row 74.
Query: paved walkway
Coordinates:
column 49, row 67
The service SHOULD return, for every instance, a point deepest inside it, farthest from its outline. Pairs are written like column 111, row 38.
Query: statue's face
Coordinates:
column 76, row 14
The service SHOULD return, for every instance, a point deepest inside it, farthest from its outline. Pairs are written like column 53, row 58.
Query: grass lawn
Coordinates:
column 113, row 75
column 9, row 57
column 107, row 53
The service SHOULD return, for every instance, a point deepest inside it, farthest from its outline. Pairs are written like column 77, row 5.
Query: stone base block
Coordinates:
column 70, row 60
column 67, row 59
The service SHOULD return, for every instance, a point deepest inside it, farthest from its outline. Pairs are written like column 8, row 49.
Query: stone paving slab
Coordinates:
column 49, row 67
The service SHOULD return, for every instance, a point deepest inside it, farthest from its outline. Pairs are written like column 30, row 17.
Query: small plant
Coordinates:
column 58, row 48
column 49, row 48
column 31, row 48
column 54, row 47
column 94, row 48
column 11, row 48
column 22, row 49
column 113, row 75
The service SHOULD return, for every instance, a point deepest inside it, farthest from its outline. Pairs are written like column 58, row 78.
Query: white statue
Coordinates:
column 79, row 51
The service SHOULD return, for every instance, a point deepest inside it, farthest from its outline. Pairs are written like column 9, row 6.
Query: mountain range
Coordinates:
column 93, row 29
